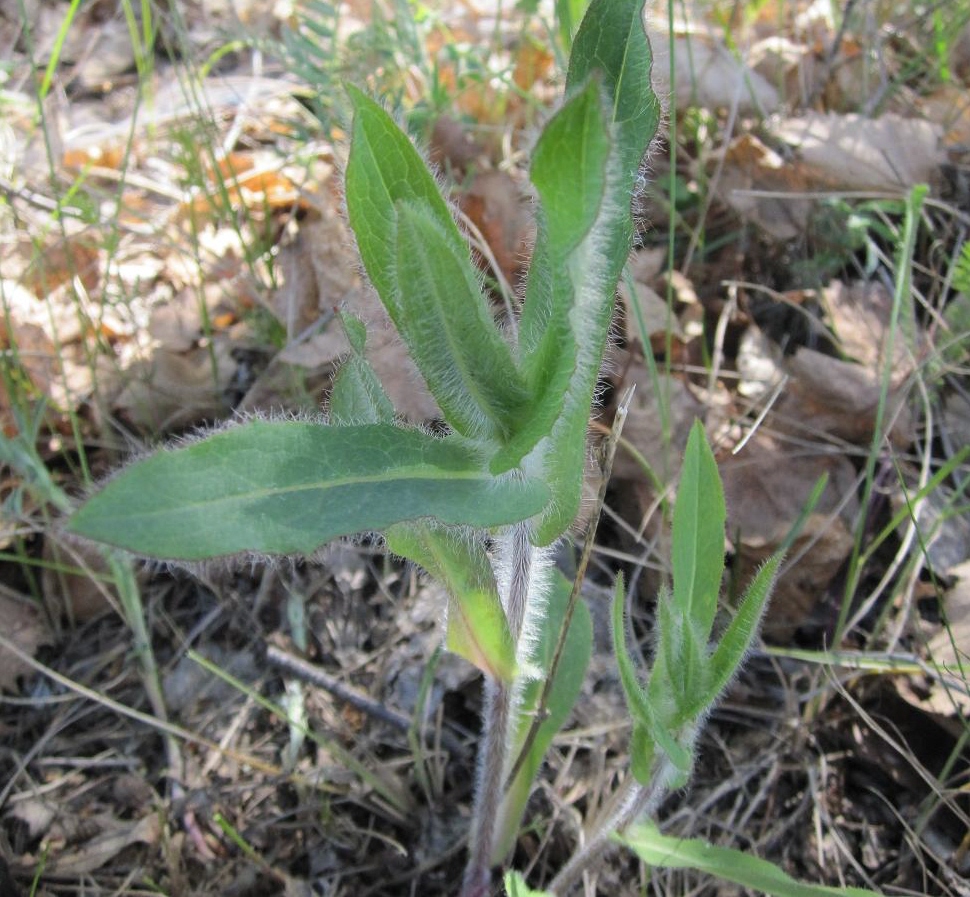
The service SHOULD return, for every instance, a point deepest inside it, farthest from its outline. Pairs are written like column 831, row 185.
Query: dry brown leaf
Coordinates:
column 659, row 439
column 949, row 104
column 850, row 152
column 861, row 316
column 710, row 76
column 60, row 261
column 792, row 67
column 533, row 62
column 827, row 395
column 766, row 486
column 175, row 390
column 105, row 846
column 26, row 627
column 319, row 275
column 36, row 814
column 494, row 204
column 75, row 596
column 949, row 653
column 752, row 170
column 649, row 313
column 452, row 148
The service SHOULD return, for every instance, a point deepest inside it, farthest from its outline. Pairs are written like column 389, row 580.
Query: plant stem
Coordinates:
column 632, row 801
column 500, row 702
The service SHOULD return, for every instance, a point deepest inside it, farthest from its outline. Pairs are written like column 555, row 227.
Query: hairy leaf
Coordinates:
column 753, row 873
column 578, row 258
column 289, row 487
column 420, row 264
column 478, row 629
column 698, row 535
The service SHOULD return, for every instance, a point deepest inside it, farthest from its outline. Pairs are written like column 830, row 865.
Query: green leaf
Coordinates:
column 612, row 42
column 573, row 152
column 450, row 332
column 562, row 697
column 737, row 638
column 515, row 886
column 653, row 709
column 477, row 626
column 571, row 285
column 637, row 701
column 754, row 873
column 569, row 169
column 289, row 487
column 478, row 629
column 384, row 168
column 421, row 267
column 698, row 535
column 357, row 396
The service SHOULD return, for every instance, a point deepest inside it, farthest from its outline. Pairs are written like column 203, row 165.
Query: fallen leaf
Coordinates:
column 758, row 183
column 766, row 486
column 105, row 846
column 25, row 626
column 948, row 651
column 850, row 152
column 36, row 814
column 494, row 203
column 75, row 582
column 791, row 66
column 658, row 438
column 452, row 148
column 861, row 315
column 175, row 390
column 826, row 395
column 62, row 259
column 533, row 62
column 708, row 75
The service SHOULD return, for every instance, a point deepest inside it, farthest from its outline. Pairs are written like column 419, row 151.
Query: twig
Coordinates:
column 308, row 672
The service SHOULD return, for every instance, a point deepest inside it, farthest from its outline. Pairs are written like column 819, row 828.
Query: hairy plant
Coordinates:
column 480, row 506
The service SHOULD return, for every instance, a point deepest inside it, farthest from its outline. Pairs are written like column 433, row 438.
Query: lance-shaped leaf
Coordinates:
column 727, row 657
column 478, row 629
column 697, row 552
column 450, row 332
column 651, row 714
column 420, row 264
column 357, row 396
column 570, row 292
column 570, row 174
column 612, row 42
column 750, row 872
column 289, row 487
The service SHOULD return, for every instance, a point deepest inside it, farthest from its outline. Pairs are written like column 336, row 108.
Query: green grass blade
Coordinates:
column 288, row 487
column 732, row 865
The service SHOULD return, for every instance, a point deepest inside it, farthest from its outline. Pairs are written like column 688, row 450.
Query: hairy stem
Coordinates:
column 498, row 714
column 631, row 802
